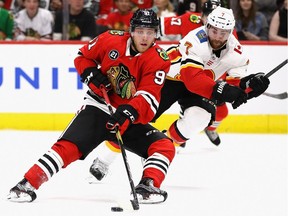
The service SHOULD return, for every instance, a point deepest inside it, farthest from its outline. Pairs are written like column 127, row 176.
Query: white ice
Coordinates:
column 245, row 176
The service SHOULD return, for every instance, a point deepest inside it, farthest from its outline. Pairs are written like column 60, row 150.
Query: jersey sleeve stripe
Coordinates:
column 176, row 60
column 151, row 100
column 191, row 63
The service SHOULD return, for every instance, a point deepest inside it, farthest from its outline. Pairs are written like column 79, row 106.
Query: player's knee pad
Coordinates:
column 194, row 120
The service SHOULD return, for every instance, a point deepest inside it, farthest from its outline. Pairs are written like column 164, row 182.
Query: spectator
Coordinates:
column 55, row 5
column 81, row 23
column 6, row 25
column 185, row 6
column 6, row 4
column 250, row 23
column 33, row 23
column 164, row 8
column 143, row 4
column 120, row 19
column 278, row 25
column 267, row 7
column 16, row 6
column 101, row 9
column 44, row 4
column 224, row 3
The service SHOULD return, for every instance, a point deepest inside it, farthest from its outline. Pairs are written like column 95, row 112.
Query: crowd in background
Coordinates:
column 45, row 19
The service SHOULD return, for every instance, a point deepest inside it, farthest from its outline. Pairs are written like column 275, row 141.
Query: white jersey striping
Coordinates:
column 232, row 60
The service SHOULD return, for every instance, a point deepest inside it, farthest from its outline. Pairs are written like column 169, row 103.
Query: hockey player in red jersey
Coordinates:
column 132, row 69
column 200, row 59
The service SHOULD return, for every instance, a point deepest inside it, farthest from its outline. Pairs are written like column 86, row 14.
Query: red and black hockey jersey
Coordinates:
column 136, row 80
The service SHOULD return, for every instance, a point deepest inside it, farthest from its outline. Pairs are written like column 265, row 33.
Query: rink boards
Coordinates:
column 40, row 89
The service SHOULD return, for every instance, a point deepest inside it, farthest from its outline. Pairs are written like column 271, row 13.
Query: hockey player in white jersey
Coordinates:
column 201, row 58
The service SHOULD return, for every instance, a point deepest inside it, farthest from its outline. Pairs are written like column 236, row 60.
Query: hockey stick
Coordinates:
column 134, row 202
column 274, row 70
column 270, row 73
column 280, row 96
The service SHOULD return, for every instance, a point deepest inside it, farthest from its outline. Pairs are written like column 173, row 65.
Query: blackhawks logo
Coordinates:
column 194, row 18
column 116, row 32
column 121, row 80
column 163, row 54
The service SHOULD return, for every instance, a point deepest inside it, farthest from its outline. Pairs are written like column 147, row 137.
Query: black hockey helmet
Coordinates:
column 144, row 18
column 209, row 6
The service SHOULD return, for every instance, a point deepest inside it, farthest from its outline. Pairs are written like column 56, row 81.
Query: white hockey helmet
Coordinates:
column 221, row 18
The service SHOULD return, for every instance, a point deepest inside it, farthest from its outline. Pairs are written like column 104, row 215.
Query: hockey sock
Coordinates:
column 160, row 155
column 59, row 156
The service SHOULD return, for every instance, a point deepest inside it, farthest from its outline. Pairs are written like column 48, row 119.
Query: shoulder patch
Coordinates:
column 202, row 36
column 113, row 54
column 116, row 32
column 195, row 18
column 163, row 54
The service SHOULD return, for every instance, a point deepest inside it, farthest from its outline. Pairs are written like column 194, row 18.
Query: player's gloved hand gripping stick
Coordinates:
column 134, row 202
column 258, row 82
column 261, row 80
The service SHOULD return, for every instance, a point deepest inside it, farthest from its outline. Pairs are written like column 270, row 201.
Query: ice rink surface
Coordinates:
column 247, row 175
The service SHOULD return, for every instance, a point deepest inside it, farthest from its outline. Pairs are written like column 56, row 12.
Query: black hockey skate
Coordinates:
column 148, row 194
column 99, row 169
column 213, row 136
column 22, row 192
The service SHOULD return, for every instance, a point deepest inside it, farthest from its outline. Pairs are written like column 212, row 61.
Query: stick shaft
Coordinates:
column 135, row 202
column 274, row 70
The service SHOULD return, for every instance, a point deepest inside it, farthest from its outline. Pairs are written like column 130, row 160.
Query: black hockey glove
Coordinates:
column 228, row 93
column 122, row 118
column 257, row 82
column 94, row 75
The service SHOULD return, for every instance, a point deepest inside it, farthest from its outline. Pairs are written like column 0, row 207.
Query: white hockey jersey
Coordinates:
column 41, row 24
column 195, row 51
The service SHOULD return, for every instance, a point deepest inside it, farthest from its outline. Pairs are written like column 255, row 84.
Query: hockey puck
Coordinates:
column 116, row 209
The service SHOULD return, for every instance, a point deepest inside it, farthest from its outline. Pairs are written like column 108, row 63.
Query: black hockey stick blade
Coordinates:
column 280, row 96
column 274, row 70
